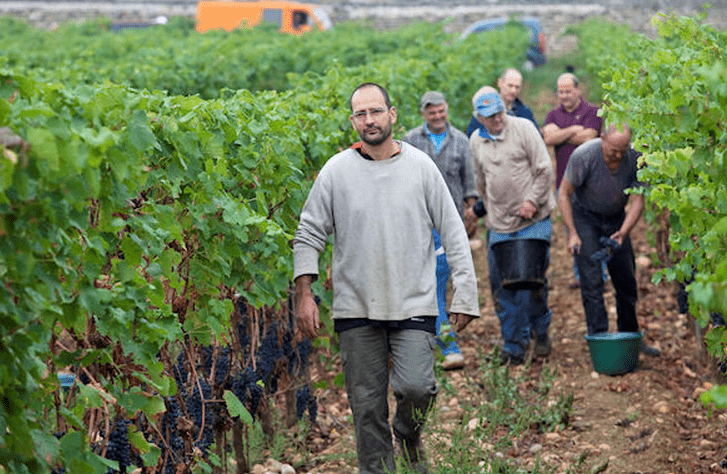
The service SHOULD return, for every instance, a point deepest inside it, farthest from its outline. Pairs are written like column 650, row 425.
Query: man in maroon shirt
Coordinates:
column 574, row 122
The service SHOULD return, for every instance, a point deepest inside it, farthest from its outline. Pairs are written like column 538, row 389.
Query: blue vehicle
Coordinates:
column 536, row 53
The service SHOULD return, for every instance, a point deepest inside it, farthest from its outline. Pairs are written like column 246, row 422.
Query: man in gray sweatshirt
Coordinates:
column 381, row 199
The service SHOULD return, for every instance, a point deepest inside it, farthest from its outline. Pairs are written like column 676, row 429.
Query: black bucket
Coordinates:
column 521, row 263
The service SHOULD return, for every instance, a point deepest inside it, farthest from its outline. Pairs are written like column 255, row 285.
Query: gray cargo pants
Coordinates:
column 365, row 355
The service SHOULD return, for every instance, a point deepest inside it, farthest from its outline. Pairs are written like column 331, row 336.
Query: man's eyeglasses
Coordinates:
column 360, row 115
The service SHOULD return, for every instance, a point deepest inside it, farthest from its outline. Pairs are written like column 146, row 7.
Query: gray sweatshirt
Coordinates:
column 381, row 215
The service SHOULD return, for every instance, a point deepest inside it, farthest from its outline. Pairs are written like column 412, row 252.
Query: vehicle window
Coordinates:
column 300, row 19
column 273, row 15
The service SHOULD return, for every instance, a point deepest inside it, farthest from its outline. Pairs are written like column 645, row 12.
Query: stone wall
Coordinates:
column 555, row 16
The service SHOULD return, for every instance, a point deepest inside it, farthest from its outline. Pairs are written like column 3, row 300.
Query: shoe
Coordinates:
column 648, row 350
column 413, row 452
column 512, row 360
column 542, row 346
column 453, row 361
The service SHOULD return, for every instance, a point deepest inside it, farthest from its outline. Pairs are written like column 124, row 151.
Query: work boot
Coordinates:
column 412, row 451
column 542, row 345
column 506, row 358
column 648, row 350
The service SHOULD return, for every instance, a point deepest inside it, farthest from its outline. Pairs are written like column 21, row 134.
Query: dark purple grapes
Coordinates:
column 609, row 243
column 119, row 448
column 301, row 401
column 601, row 255
column 304, row 400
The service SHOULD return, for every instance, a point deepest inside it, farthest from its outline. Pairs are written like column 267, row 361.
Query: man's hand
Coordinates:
column 574, row 131
column 307, row 320
column 460, row 321
column 527, row 210
column 470, row 224
column 574, row 243
column 469, row 214
column 619, row 236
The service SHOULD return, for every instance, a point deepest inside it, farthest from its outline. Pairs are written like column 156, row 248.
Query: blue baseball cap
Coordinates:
column 489, row 104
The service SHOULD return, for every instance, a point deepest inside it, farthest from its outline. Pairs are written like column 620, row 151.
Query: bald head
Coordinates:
column 511, row 73
column 615, row 142
column 510, row 84
column 617, row 132
column 567, row 78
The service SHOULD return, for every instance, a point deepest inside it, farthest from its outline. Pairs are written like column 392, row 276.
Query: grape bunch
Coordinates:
column 171, row 434
column 181, row 374
column 610, row 243
column 304, row 399
column 604, row 255
column 240, row 382
column 267, row 357
column 119, row 448
column 195, row 402
column 222, row 364
column 256, row 394
column 169, row 425
column 243, row 333
column 297, row 356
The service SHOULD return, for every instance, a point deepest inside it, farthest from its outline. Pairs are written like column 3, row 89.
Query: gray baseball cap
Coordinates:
column 432, row 98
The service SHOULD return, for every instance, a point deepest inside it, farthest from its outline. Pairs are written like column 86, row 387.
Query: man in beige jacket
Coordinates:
column 515, row 179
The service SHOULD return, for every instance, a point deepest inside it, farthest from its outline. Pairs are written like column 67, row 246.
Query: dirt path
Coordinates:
column 648, row 421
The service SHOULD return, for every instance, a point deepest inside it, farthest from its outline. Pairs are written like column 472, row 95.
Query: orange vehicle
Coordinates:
column 293, row 18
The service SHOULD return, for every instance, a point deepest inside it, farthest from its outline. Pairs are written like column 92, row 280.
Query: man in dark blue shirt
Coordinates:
column 509, row 85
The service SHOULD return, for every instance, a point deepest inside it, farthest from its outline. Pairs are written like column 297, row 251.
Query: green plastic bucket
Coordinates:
column 614, row 353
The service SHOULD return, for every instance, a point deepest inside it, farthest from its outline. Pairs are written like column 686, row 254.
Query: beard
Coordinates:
column 378, row 139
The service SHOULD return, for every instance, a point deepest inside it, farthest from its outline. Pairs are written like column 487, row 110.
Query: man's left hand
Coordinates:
column 460, row 321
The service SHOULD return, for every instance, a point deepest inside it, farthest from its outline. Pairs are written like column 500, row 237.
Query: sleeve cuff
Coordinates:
column 305, row 261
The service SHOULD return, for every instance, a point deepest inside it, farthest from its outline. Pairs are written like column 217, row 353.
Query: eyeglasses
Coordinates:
column 360, row 115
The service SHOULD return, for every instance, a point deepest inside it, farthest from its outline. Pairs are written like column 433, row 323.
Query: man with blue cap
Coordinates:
column 515, row 180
